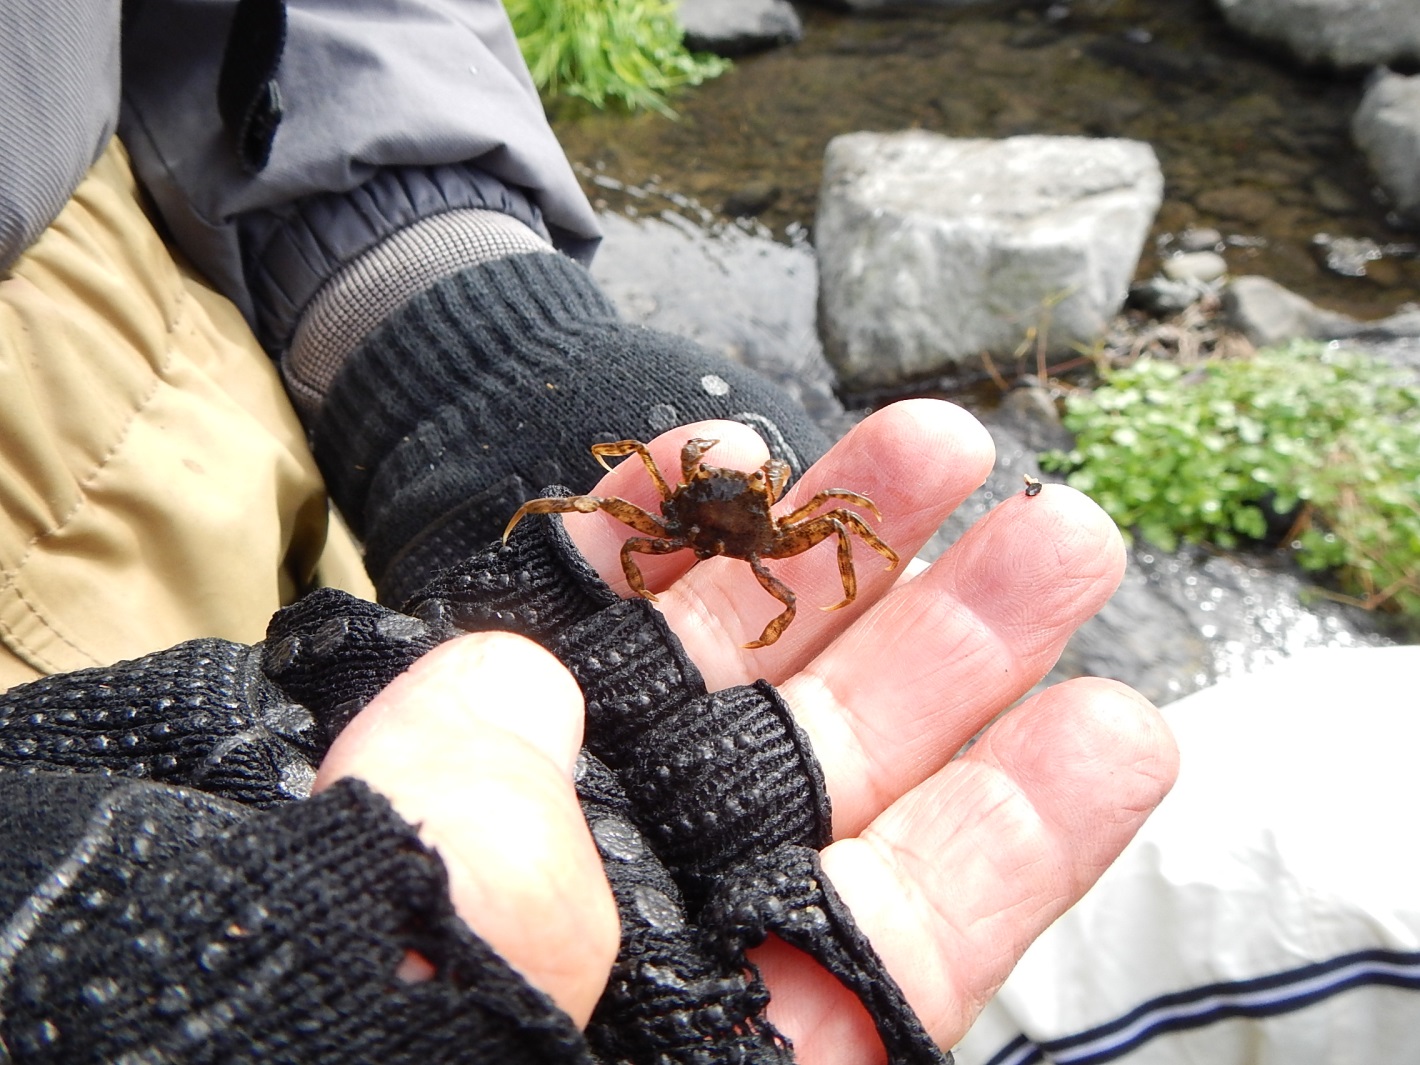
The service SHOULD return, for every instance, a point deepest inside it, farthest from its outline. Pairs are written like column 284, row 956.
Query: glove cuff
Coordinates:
column 537, row 584
column 453, row 374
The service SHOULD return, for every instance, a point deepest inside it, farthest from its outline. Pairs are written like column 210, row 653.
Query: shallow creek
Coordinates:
column 1248, row 144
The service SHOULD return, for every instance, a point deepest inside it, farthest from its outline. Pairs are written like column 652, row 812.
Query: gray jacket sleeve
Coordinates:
column 58, row 107
column 365, row 87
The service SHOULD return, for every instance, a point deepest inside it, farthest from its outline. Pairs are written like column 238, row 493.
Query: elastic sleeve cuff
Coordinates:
column 362, row 294
column 288, row 255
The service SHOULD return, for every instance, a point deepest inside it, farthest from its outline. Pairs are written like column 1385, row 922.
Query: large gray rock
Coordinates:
column 1386, row 128
column 734, row 27
column 1339, row 33
column 933, row 250
column 747, row 297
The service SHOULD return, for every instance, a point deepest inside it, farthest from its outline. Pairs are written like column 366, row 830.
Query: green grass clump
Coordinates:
column 1196, row 453
column 630, row 52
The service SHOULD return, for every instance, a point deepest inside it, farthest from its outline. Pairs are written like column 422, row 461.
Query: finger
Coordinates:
column 475, row 745
column 955, row 879
column 599, row 536
column 931, row 662
column 916, row 460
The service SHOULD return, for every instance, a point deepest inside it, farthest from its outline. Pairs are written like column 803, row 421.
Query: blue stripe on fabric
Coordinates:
column 1262, row 996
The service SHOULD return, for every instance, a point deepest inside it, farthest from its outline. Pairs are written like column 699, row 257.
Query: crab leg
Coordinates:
column 551, row 505
column 781, row 591
column 839, row 523
column 823, row 497
column 620, row 509
column 856, row 523
column 643, row 546
column 633, row 447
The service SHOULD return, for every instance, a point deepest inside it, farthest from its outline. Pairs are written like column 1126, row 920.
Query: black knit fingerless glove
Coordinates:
column 721, row 788
column 202, row 714
column 707, row 809
column 152, row 924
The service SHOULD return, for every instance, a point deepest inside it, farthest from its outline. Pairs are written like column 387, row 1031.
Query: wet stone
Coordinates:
column 1201, row 266
column 1238, row 203
column 751, row 199
column 1201, row 238
column 916, row 232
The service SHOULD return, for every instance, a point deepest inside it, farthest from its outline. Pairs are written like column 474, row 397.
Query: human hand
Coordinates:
column 490, row 724
column 951, row 867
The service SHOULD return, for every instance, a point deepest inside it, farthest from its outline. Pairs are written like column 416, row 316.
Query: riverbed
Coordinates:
column 1249, row 145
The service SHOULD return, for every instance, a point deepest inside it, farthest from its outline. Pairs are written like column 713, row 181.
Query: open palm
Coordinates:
column 952, row 862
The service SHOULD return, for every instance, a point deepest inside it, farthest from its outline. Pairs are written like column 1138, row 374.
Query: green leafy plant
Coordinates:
column 1328, row 438
column 630, row 52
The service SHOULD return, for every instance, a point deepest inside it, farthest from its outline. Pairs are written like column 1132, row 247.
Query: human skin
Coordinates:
column 951, row 865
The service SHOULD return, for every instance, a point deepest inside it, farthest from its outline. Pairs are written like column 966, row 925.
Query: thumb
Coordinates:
column 475, row 745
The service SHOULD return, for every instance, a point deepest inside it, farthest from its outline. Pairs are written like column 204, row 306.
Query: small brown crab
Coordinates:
column 716, row 511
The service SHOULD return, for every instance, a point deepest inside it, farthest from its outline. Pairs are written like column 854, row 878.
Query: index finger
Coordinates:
column 915, row 459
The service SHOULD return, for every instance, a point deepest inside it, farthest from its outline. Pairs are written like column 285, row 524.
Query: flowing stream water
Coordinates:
column 1249, row 144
